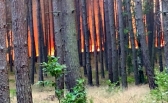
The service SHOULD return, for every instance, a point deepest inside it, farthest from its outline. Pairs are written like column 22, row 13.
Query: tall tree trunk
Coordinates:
column 160, row 51
column 33, row 53
column 40, row 39
column 165, row 27
column 122, row 46
column 19, row 28
column 108, row 39
column 58, row 38
column 77, row 7
column 150, row 26
column 45, row 26
column 95, row 42
column 132, row 38
column 4, row 84
column 158, row 30
column 70, row 42
column 86, row 38
column 100, row 25
column 113, row 40
column 145, row 51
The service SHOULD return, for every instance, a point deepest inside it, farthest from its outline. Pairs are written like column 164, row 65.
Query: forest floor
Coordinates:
column 134, row 94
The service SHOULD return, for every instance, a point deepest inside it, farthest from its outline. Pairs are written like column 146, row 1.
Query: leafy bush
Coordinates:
column 78, row 94
column 161, row 92
column 53, row 68
column 112, row 87
column 130, row 79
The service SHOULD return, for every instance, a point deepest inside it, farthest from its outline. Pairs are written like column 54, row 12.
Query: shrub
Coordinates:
column 161, row 92
column 53, row 68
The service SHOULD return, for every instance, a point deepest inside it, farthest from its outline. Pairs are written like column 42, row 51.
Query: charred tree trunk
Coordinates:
column 100, row 25
column 4, row 84
column 108, row 39
column 95, row 43
column 46, row 30
column 159, row 33
column 77, row 7
column 33, row 53
column 145, row 51
column 132, row 38
column 122, row 46
column 40, row 39
column 150, row 26
column 113, row 40
column 160, row 51
column 86, row 38
column 19, row 28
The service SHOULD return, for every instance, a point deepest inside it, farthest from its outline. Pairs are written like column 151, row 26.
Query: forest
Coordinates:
column 83, row 51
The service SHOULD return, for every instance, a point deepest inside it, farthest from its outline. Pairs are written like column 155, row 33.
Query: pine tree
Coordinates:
column 20, row 42
column 4, row 84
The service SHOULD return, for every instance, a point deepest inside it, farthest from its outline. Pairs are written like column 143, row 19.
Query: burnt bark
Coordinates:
column 95, row 43
column 113, row 40
column 150, row 31
column 108, row 40
column 77, row 7
column 40, row 39
column 100, row 25
column 33, row 53
column 86, row 38
column 122, row 46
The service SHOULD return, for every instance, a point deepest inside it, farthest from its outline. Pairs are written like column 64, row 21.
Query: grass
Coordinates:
column 134, row 94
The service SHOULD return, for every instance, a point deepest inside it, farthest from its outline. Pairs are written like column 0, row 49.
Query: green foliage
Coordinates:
column 53, row 68
column 130, row 79
column 129, row 64
column 12, row 94
column 161, row 92
column 112, row 87
column 147, row 7
column 126, row 30
column 78, row 94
